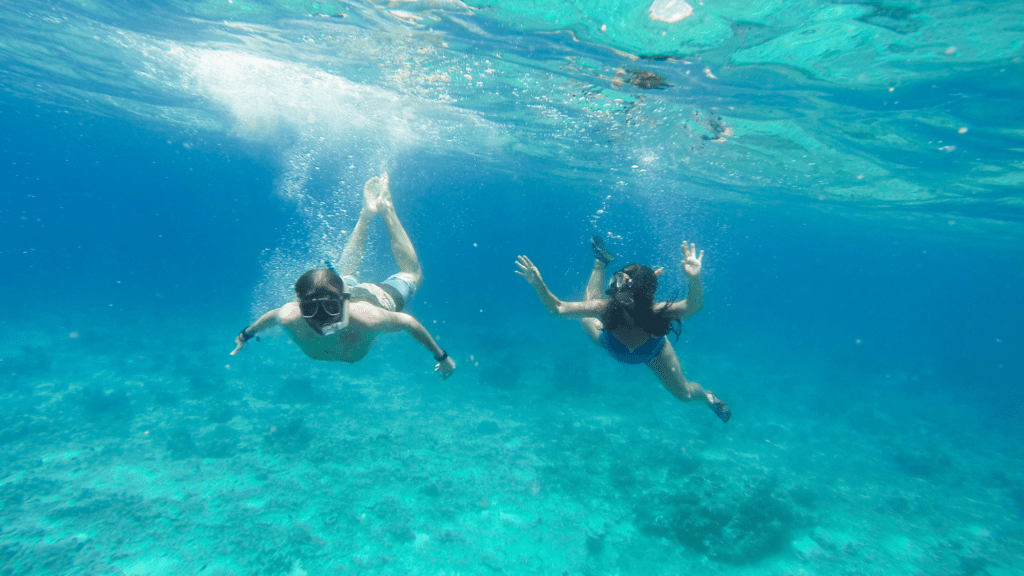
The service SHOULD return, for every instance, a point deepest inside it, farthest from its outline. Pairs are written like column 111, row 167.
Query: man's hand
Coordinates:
column 445, row 369
column 529, row 271
column 691, row 261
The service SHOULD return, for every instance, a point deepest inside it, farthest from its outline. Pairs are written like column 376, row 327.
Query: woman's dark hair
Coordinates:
column 317, row 280
column 644, row 286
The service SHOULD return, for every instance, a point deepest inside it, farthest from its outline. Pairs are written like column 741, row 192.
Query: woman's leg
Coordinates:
column 592, row 326
column 666, row 367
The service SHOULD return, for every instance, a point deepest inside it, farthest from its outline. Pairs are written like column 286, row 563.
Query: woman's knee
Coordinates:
column 592, row 326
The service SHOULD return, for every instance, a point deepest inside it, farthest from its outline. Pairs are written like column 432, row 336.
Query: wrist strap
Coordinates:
column 246, row 337
column 442, row 357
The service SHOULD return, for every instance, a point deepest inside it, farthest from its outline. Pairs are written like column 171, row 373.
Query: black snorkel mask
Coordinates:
column 327, row 311
column 621, row 289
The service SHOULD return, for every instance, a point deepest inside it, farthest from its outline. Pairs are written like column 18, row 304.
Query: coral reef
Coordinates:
column 728, row 523
column 180, row 443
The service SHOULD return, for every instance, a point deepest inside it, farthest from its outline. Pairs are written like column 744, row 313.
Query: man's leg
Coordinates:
column 401, row 246
column 352, row 256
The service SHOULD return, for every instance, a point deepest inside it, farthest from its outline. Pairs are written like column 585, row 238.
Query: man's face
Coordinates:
column 324, row 306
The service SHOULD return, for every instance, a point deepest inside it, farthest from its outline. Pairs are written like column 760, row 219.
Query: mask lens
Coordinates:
column 332, row 307
column 621, row 288
column 309, row 309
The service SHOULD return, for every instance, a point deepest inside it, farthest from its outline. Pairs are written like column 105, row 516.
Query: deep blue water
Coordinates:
column 165, row 180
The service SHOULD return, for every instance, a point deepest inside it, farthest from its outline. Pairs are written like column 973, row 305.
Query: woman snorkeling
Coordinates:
column 629, row 324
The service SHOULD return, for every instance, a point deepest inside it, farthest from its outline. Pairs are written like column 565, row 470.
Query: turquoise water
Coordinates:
column 853, row 172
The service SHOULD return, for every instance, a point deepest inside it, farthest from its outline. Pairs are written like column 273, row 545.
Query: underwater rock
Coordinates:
column 431, row 489
column 449, row 537
column 97, row 404
column 221, row 442
column 14, row 428
column 396, row 517
column 642, row 79
column 401, row 532
column 1017, row 495
column 296, row 390
column 203, row 384
column 56, row 558
column 291, row 437
column 18, row 370
column 487, row 427
column 924, row 465
column 163, row 397
column 804, row 497
column 971, row 565
column 680, row 465
column 914, row 465
column 221, row 413
column 572, row 376
column 595, row 542
column 622, row 477
column 729, row 525
column 501, row 375
column 180, row 444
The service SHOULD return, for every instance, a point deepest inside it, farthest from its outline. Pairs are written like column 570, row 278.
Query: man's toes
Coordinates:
column 385, row 189
column 371, row 193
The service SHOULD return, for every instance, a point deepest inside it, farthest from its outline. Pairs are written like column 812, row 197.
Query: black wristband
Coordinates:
column 246, row 337
column 442, row 357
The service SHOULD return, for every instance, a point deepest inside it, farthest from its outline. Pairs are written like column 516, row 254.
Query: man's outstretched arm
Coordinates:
column 402, row 321
column 268, row 320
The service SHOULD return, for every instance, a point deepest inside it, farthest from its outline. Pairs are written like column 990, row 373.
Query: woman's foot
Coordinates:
column 721, row 409
column 600, row 252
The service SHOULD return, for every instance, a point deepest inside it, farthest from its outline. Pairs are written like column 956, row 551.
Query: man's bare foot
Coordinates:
column 372, row 194
column 384, row 197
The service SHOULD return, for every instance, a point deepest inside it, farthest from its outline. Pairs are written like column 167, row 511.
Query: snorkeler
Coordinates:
column 335, row 317
column 629, row 325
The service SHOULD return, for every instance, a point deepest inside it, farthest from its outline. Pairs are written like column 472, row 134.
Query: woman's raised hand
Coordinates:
column 691, row 261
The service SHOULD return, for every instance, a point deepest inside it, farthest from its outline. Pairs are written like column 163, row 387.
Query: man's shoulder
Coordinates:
column 289, row 313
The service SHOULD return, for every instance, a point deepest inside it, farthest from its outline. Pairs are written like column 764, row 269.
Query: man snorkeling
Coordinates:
column 335, row 317
column 628, row 324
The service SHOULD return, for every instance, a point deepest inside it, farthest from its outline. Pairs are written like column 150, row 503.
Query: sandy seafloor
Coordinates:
column 270, row 463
